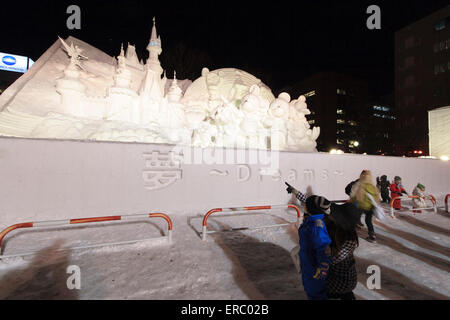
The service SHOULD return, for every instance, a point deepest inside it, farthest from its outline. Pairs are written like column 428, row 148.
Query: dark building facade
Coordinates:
column 7, row 78
column 422, row 73
column 339, row 106
column 380, row 132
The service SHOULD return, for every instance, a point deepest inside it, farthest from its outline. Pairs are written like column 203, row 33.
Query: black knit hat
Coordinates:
column 317, row 205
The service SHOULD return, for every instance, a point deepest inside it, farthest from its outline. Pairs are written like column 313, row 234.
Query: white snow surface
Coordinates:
column 412, row 252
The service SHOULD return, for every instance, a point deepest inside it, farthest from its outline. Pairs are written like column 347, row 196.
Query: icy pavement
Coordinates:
column 412, row 252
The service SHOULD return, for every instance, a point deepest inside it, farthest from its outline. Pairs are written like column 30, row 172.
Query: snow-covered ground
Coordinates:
column 413, row 252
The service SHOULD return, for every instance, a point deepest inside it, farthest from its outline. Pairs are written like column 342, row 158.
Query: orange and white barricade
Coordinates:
column 412, row 208
column 60, row 223
column 255, row 208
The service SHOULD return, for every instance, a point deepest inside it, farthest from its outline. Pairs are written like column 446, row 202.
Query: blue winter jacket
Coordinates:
column 314, row 240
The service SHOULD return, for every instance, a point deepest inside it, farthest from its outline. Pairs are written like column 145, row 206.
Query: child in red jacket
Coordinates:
column 396, row 191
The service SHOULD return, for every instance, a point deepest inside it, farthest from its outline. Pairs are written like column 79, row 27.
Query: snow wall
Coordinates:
column 58, row 179
column 439, row 132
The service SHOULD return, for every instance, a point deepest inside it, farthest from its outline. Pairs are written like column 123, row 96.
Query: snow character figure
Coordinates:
column 383, row 186
column 419, row 191
column 276, row 120
column 204, row 135
column 254, row 108
column 396, row 191
column 314, row 248
column 300, row 136
column 227, row 118
column 359, row 198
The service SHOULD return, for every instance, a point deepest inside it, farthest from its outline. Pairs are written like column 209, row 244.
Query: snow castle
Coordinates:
column 124, row 99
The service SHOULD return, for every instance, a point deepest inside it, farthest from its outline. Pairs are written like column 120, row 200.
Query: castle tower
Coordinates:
column 131, row 58
column 154, row 49
column 122, row 76
column 121, row 100
column 175, row 92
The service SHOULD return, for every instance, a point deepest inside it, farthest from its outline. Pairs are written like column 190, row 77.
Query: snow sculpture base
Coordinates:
column 58, row 179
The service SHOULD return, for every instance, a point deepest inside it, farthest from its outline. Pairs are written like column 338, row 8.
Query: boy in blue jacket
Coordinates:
column 314, row 246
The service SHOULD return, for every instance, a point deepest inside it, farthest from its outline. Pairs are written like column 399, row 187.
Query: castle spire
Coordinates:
column 155, row 40
column 175, row 91
column 154, row 49
column 122, row 54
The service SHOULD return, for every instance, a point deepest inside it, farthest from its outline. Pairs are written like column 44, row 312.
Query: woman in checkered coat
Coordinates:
column 341, row 226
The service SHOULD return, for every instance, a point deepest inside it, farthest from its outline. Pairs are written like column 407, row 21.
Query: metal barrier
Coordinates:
column 58, row 223
column 446, row 202
column 430, row 197
column 269, row 207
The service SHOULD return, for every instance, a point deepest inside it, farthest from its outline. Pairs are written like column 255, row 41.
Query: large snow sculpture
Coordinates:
column 97, row 97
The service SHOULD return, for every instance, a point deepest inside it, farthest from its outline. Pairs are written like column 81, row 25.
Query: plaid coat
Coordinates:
column 342, row 276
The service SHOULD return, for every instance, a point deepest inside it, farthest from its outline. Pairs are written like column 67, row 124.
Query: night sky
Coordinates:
column 280, row 42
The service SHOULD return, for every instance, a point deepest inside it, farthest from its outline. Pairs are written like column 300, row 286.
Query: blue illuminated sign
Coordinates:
column 14, row 63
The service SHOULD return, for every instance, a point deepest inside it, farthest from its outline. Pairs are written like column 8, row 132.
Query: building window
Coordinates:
column 340, row 111
column 341, row 92
column 441, row 46
column 340, row 121
column 310, row 94
column 340, row 131
column 440, row 25
column 352, row 123
column 384, row 116
column 380, row 108
column 440, row 68
column 339, row 141
column 311, row 121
